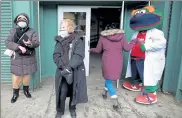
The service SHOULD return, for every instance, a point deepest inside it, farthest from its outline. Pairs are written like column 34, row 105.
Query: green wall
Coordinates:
column 173, row 70
column 49, row 26
column 6, row 25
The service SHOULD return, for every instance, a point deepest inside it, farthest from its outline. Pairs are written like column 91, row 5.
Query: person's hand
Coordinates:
column 23, row 50
column 28, row 42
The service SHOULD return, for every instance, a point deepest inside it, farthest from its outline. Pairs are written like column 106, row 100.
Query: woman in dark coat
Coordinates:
column 70, row 79
column 22, row 40
column 112, row 42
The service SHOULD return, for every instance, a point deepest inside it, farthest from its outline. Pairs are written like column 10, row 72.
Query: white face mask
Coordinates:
column 63, row 33
column 22, row 24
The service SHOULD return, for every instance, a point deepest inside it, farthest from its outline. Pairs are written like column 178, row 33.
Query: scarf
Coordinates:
column 19, row 32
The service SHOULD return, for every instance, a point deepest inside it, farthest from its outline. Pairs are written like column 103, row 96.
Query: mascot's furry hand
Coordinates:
column 67, row 74
column 142, row 47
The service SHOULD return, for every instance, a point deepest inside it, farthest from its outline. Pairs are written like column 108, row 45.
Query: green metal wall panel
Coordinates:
column 49, row 25
column 174, row 50
column 172, row 82
column 36, row 78
column 6, row 25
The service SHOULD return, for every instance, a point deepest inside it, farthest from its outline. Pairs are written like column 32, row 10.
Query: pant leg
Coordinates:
column 110, row 87
column 140, row 68
column 63, row 95
column 135, row 76
column 150, row 89
column 71, row 107
column 16, row 81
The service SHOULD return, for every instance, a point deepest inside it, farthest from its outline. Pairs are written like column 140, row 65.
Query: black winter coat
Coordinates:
column 76, row 62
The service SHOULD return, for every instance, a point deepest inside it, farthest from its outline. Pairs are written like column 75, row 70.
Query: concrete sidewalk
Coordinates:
column 42, row 105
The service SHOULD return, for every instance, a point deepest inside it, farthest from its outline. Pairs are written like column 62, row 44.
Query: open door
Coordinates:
column 81, row 16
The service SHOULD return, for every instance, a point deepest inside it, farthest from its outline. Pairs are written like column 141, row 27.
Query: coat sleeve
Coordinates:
column 128, row 46
column 156, row 43
column 34, row 41
column 58, row 56
column 99, row 47
column 78, row 54
column 10, row 44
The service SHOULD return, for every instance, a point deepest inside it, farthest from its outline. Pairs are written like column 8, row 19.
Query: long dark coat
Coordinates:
column 60, row 58
column 23, row 65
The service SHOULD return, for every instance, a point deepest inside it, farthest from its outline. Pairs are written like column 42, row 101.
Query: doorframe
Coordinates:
column 61, row 10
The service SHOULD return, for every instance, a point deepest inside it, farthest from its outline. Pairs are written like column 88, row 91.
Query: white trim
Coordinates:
column 121, row 27
column 122, row 16
column 149, row 3
column 40, row 76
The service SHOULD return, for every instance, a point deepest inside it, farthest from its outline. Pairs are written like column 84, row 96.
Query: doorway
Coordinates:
column 91, row 21
column 100, row 18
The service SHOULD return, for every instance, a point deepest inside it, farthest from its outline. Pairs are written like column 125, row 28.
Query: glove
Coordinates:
column 142, row 47
column 68, row 75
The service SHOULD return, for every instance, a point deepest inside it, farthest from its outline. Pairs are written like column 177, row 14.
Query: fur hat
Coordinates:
column 18, row 19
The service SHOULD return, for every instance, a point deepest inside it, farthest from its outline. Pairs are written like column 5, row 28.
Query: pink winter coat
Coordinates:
column 112, row 43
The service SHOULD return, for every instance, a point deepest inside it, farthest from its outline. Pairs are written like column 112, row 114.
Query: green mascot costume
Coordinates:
column 147, row 58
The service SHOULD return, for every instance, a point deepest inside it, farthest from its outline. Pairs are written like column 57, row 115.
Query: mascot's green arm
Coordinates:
column 142, row 47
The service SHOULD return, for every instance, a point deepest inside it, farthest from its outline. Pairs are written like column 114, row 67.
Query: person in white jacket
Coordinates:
column 147, row 58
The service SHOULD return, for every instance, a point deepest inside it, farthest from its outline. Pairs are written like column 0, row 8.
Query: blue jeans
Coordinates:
column 137, row 68
column 109, row 85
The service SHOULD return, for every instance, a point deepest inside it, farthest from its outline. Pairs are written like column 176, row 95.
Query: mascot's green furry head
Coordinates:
column 145, row 18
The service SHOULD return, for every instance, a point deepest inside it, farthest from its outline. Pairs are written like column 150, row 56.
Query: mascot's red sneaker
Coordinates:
column 147, row 98
column 129, row 86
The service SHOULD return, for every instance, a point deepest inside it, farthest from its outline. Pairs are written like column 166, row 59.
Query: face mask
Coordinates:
column 22, row 24
column 64, row 33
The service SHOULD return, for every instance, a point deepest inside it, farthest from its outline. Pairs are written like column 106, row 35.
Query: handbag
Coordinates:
column 8, row 52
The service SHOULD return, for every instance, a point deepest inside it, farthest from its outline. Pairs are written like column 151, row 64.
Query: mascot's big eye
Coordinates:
column 143, row 11
column 137, row 12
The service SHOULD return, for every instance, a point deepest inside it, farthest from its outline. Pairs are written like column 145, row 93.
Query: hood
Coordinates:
column 113, row 34
column 28, row 20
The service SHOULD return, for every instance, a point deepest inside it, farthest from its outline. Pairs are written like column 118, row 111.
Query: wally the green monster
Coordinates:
column 147, row 58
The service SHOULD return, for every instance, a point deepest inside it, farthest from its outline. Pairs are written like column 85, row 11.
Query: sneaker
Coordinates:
column 149, row 98
column 114, row 97
column 129, row 86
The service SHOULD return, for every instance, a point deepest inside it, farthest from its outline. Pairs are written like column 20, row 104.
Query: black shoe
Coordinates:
column 59, row 115
column 15, row 95
column 73, row 113
column 26, row 91
column 116, row 104
column 104, row 94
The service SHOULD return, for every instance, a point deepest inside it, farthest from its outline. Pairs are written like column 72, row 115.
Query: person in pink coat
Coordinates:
column 112, row 43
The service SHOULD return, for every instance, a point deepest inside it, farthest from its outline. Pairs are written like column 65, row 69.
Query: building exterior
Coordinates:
column 44, row 17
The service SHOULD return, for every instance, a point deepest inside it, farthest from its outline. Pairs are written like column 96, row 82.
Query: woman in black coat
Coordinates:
column 70, row 79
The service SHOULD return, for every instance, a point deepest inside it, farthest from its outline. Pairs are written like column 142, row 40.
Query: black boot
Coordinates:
column 59, row 115
column 73, row 113
column 15, row 95
column 26, row 91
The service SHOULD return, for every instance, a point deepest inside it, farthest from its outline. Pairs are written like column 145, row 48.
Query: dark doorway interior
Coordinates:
column 100, row 17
